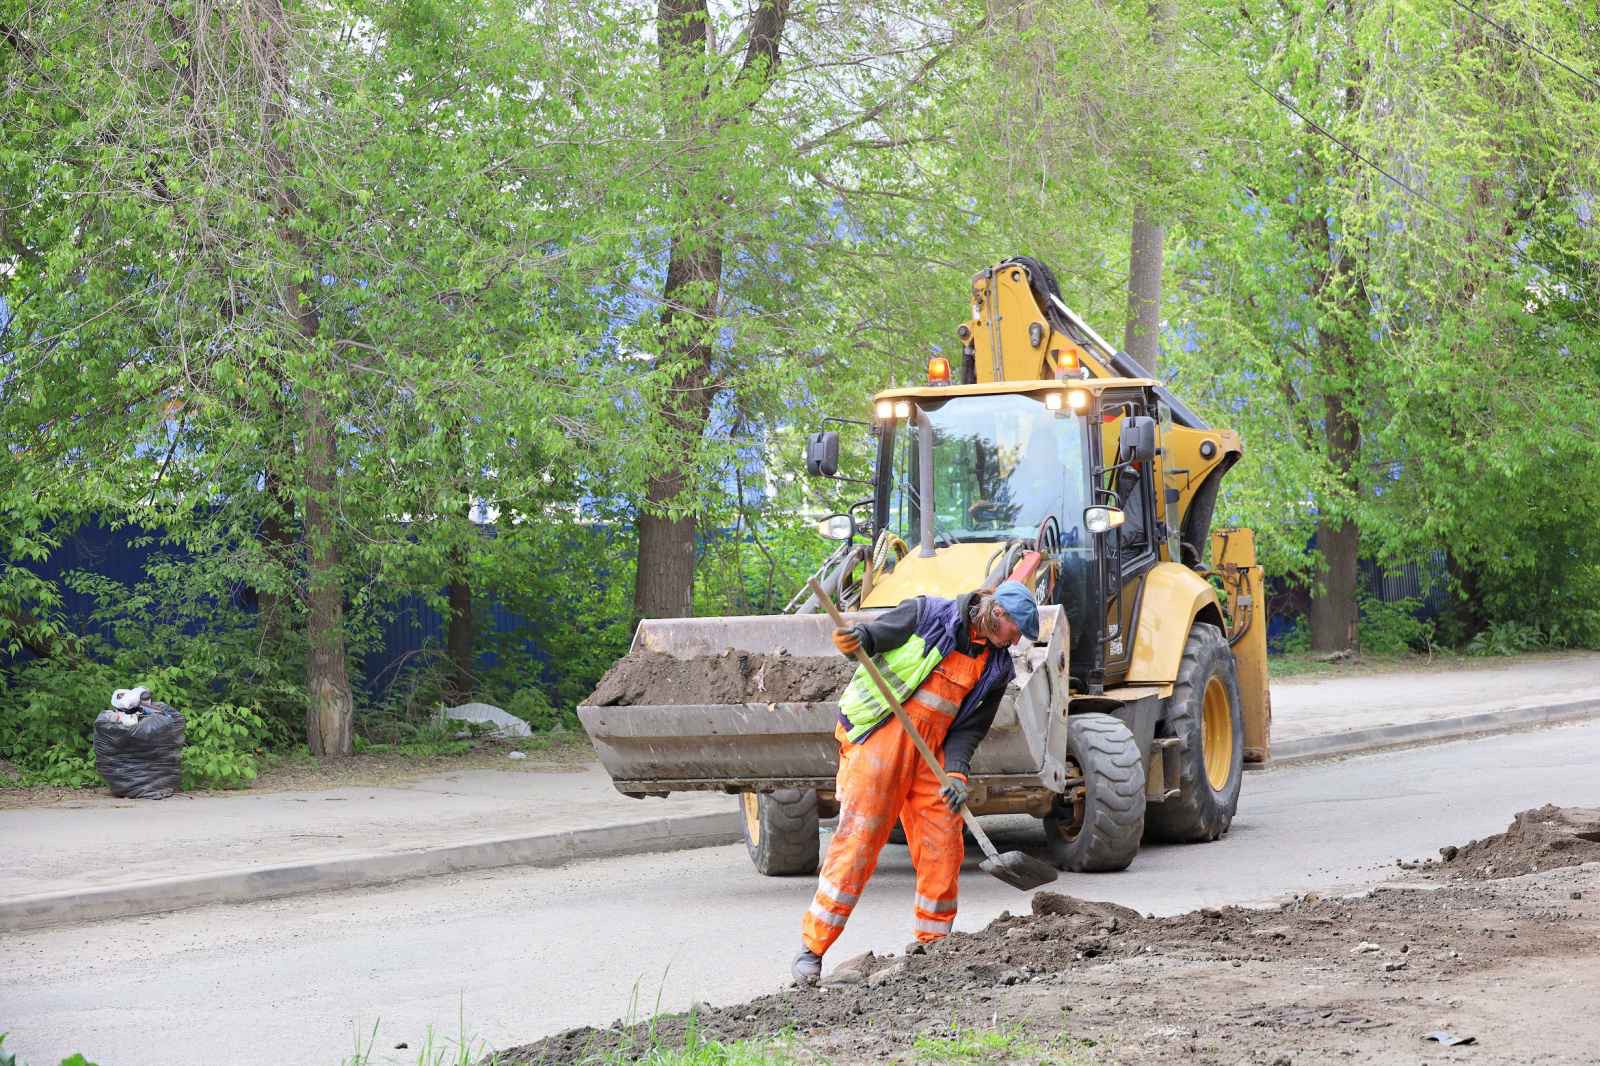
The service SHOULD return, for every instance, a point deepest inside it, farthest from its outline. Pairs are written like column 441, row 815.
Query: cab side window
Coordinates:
column 1132, row 492
column 1131, row 483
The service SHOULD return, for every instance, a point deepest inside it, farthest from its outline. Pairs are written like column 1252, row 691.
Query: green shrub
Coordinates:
column 61, row 767
column 221, row 746
column 47, row 721
column 1505, row 638
column 1297, row 641
column 192, row 651
column 1393, row 628
column 1577, row 627
column 532, row 706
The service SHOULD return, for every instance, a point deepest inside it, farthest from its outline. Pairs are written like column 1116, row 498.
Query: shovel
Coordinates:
column 1014, row 868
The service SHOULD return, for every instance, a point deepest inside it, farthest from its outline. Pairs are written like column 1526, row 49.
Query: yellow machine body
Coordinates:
column 1123, row 604
column 1013, row 346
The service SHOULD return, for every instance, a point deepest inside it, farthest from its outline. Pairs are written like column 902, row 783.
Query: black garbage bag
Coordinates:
column 140, row 760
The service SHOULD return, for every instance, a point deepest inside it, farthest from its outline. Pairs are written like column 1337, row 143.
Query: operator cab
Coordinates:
column 1061, row 468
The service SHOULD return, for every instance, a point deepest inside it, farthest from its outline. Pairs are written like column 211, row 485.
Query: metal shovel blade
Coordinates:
column 1020, row 871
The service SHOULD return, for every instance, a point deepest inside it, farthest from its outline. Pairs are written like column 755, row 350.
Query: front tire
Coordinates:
column 780, row 831
column 1098, row 829
column 1206, row 714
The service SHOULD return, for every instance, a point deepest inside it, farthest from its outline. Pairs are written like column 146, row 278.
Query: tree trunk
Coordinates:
column 1463, row 615
column 1142, row 335
column 1335, row 616
column 1335, row 613
column 1143, row 332
column 461, row 631
column 330, row 709
column 664, row 585
column 272, row 606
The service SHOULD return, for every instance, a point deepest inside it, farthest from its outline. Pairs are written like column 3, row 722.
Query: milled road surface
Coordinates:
column 524, row 953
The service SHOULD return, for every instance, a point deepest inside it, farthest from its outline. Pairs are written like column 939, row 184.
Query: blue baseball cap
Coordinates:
column 1018, row 602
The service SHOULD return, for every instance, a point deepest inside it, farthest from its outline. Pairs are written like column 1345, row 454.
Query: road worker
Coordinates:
column 946, row 661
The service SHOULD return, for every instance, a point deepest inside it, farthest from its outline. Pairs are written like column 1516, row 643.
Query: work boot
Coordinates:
column 807, row 967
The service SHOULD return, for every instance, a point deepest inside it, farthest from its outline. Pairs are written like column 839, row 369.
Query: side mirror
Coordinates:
column 837, row 527
column 1103, row 519
column 822, row 454
column 1138, row 442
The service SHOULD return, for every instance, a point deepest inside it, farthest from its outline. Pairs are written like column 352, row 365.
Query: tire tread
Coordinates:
column 790, row 846
column 1114, row 806
column 1194, row 815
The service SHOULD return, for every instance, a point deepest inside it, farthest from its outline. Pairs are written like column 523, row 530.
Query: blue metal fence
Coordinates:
column 410, row 631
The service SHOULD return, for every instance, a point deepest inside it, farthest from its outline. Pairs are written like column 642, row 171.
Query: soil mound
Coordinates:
column 733, row 677
column 1544, row 838
column 1315, row 980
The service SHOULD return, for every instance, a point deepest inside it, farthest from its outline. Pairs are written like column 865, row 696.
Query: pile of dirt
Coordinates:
column 1356, row 978
column 1544, row 838
column 732, row 677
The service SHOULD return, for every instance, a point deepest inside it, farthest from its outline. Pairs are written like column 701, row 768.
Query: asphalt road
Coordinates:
column 507, row 956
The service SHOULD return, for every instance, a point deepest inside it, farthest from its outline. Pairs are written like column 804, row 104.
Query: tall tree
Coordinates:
column 692, row 115
column 1146, row 245
column 274, row 347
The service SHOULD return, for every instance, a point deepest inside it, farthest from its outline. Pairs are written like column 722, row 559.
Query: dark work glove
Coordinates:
column 847, row 640
column 955, row 793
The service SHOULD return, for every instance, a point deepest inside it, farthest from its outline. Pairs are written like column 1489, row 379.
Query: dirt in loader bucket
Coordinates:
column 653, row 678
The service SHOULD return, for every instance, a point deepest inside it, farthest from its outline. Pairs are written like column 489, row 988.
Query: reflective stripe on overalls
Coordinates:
column 883, row 779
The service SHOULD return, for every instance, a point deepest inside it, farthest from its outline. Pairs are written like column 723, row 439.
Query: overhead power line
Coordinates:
column 1517, row 38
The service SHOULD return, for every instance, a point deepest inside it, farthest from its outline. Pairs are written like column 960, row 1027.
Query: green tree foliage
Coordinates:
column 315, row 290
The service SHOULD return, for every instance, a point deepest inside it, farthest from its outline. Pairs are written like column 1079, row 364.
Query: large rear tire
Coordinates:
column 1206, row 714
column 780, row 831
column 1099, row 830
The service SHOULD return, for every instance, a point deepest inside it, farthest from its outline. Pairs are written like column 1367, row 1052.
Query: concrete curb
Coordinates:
column 367, row 870
column 1307, row 749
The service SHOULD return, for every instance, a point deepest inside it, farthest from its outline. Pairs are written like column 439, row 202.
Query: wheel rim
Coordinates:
column 752, row 818
column 1217, row 727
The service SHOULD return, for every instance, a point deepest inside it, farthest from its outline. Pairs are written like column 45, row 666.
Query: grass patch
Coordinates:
column 1309, row 664
column 1006, row 1043
column 464, row 1050
column 765, row 1051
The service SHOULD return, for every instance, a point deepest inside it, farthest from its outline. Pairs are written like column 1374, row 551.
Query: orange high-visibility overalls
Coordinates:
column 883, row 779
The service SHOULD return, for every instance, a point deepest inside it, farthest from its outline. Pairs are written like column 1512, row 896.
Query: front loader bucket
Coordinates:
column 662, row 746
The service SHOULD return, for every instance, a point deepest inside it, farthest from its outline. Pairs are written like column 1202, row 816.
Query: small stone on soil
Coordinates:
column 887, row 974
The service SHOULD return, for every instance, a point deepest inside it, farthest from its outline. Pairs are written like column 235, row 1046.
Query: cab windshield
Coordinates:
column 1001, row 466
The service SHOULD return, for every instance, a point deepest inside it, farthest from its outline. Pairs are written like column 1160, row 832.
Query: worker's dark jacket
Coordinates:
column 946, row 625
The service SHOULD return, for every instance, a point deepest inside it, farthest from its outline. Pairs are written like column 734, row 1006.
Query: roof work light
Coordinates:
column 1075, row 400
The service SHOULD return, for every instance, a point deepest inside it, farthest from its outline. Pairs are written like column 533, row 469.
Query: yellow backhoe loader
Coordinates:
column 1044, row 455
